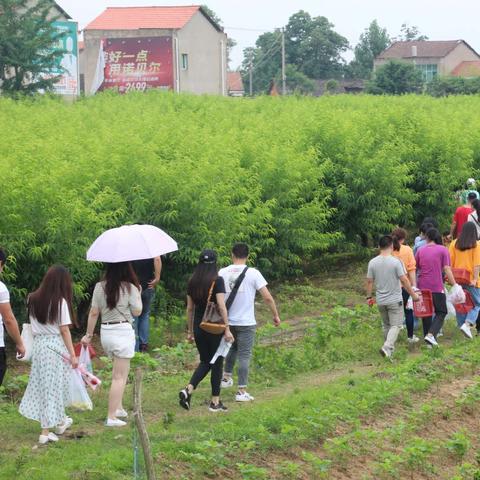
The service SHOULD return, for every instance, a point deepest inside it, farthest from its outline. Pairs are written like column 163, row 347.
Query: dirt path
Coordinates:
column 429, row 418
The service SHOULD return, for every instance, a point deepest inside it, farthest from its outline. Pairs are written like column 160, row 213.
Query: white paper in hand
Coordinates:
column 222, row 350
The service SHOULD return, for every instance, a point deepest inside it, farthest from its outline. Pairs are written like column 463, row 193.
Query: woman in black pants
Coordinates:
column 204, row 276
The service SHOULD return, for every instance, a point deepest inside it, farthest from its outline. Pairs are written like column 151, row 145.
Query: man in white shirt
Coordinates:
column 241, row 317
column 8, row 319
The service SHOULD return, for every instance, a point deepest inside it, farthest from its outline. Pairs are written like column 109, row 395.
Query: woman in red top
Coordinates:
column 461, row 216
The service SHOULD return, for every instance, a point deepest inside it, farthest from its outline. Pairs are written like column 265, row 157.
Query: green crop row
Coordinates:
column 292, row 177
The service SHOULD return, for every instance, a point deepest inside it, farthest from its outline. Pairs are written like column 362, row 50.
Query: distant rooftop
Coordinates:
column 425, row 49
column 467, row 69
column 135, row 18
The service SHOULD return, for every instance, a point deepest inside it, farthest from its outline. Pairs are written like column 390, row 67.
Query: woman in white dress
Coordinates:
column 116, row 299
column 48, row 390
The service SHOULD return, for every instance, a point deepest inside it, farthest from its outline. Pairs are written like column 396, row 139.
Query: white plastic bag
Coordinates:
column 222, row 350
column 409, row 305
column 85, row 359
column 451, row 311
column 79, row 398
column 27, row 338
column 456, row 295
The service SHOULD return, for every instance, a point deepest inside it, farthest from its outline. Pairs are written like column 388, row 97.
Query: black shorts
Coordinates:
column 3, row 364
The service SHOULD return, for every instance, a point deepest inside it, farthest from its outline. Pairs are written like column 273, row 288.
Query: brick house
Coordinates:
column 431, row 57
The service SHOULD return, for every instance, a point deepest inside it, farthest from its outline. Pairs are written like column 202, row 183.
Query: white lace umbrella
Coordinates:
column 131, row 242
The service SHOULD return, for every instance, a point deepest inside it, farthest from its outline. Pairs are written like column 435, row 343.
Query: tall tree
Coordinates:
column 313, row 46
column 396, row 78
column 372, row 42
column 28, row 47
column 231, row 43
column 265, row 60
column 411, row 33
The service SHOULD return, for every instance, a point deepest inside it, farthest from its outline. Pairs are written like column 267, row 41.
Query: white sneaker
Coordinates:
column 114, row 422
column 384, row 353
column 244, row 397
column 121, row 413
column 440, row 333
column 227, row 382
column 466, row 330
column 431, row 340
column 51, row 437
column 414, row 339
column 67, row 423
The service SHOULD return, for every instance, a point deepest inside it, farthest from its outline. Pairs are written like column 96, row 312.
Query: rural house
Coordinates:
column 431, row 57
column 139, row 48
column 235, row 84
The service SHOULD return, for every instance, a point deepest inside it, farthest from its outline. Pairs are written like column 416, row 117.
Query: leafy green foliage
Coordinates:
column 396, row 78
column 293, row 178
column 442, row 86
column 27, row 47
column 372, row 42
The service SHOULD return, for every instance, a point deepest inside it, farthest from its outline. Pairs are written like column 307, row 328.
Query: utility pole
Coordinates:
column 251, row 78
column 284, row 75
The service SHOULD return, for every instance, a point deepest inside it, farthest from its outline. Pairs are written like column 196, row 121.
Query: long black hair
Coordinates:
column 205, row 273
column 118, row 276
column 476, row 207
column 467, row 238
column 45, row 303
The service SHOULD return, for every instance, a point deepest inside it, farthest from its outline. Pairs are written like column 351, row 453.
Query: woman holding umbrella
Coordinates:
column 117, row 300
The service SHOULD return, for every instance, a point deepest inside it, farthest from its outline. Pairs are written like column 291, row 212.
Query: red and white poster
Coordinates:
column 138, row 64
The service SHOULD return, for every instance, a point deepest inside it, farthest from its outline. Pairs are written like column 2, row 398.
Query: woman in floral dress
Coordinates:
column 48, row 390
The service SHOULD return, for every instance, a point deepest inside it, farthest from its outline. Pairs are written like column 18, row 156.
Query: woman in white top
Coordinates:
column 48, row 390
column 117, row 299
column 475, row 216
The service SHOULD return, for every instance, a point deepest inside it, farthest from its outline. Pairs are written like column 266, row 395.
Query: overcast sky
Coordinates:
column 439, row 19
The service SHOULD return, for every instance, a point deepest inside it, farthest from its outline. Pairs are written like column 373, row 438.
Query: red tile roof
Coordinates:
column 235, row 82
column 81, row 45
column 134, row 18
column 425, row 49
column 467, row 69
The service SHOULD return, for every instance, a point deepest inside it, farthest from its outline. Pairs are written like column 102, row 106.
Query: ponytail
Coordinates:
column 398, row 235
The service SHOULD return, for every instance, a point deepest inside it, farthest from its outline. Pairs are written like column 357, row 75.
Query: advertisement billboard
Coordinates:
column 138, row 64
column 67, row 66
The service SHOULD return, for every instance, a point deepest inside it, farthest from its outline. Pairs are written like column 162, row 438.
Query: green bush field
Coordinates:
column 293, row 177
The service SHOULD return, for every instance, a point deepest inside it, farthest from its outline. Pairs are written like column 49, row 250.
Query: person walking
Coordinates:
column 388, row 274
column 465, row 254
column 475, row 216
column 7, row 319
column 405, row 254
column 433, row 260
column 205, row 285
column 48, row 390
column 148, row 273
column 241, row 316
column 116, row 299
column 461, row 215
column 421, row 240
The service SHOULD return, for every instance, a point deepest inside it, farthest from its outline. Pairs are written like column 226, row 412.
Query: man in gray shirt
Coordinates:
column 389, row 274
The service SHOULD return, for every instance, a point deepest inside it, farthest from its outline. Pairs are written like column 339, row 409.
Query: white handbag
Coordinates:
column 27, row 337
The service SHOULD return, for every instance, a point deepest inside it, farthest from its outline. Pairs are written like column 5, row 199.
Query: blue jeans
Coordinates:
column 242, row 348
column 471, row 316
column 142, row 322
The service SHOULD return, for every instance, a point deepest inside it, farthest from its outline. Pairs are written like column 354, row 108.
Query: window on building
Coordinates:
column 429, row 72
column 184, row 61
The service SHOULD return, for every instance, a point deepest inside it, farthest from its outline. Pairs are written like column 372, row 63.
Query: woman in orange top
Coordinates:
column 465, row 254
column 405, row 254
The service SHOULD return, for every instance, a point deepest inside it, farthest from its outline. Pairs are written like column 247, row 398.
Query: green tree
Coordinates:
column 265, row 60
column 231, row 43
column 297, row 82
column 313, row 46
column 28, row 50
column 396, row 78
column 411, row 33
column 372, row 42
